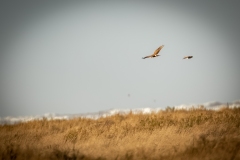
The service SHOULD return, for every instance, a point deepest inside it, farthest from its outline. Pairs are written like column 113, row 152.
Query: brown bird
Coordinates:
column 187, row 57
column 155, row 54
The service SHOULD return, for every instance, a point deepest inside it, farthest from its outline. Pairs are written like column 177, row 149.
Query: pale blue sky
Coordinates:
column 78, row 57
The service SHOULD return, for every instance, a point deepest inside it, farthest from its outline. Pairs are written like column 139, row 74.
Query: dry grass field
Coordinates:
column 169, row 134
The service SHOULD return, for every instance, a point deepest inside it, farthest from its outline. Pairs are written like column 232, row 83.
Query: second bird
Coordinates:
column 187, row 57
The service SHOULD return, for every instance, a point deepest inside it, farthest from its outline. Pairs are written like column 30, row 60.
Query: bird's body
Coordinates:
column 155, row 54
column 187, row 57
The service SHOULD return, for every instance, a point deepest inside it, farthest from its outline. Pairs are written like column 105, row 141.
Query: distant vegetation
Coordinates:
column 169, row 134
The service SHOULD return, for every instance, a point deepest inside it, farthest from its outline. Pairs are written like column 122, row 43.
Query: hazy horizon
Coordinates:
column 110, row 112
column 78, row 57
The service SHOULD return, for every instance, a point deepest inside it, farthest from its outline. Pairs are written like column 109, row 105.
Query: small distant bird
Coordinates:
column 187, row 57
column 155, row 54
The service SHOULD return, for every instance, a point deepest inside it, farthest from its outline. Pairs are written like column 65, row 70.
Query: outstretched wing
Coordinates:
column 158, row 50
column 146, row 57
column 187, row 57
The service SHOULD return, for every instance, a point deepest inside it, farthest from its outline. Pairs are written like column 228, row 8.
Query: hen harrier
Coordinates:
column 187, row 57
column 155, row 54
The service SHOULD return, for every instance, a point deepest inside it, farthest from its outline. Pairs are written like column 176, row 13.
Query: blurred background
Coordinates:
column 71, row 57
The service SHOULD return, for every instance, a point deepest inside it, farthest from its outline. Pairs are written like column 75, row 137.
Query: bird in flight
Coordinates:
column 155, row 54
column 187, row 57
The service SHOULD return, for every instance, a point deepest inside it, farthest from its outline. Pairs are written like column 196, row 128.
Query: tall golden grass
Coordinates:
column 169, row 134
